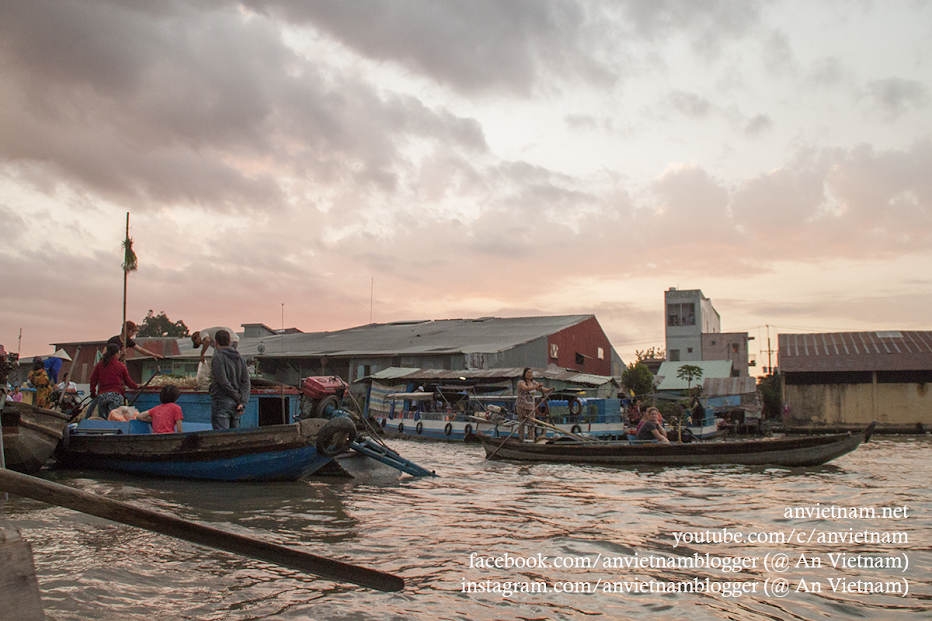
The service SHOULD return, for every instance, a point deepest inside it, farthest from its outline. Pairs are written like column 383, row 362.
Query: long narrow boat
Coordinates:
column 268, row 453
column 30, row 435
column 785, row 451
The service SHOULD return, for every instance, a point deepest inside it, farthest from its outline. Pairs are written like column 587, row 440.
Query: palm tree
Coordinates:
column 689, row 372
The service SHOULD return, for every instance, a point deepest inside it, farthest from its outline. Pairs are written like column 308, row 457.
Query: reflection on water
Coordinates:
column 596, row 521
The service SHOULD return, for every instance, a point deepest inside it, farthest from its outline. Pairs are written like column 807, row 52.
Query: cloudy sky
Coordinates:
column 335, row 161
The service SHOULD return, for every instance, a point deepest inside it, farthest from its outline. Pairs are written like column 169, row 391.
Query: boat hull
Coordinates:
column 30, row 435
column 271, row 453
column 788, row 452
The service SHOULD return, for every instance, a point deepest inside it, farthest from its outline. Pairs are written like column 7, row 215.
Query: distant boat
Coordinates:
column 455, row 413
column 30, row 435
column 785, row 451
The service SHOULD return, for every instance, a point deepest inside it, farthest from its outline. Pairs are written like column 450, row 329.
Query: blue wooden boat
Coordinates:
column 284, row 435
column 269, row 453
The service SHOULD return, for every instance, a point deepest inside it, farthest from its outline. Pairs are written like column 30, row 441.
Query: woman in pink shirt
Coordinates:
column 165, row 418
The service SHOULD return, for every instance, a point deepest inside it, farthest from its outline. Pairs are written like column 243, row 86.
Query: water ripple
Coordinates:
column 427, row 529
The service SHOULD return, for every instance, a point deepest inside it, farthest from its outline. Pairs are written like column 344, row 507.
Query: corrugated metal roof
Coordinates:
column 510, row 373
column 441, row 336
column 888, row 350
column 725, row 386
column 486, row 335
column 710, row 369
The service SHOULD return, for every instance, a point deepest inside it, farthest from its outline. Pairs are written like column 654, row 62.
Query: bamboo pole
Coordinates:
column 125, row 513
column 125, row 281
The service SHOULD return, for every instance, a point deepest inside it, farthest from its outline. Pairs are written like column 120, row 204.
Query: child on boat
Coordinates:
column 166, row 417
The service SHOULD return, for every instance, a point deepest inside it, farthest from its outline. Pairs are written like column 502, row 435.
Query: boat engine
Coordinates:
column 322, row 397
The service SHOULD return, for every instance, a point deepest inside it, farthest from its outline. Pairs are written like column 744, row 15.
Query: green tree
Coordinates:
column 638, row 379
column 689, row 372
column 771, row 395
column 654, row 353
column 160, row 325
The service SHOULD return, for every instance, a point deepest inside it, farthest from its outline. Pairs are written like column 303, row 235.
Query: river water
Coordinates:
column 582, row 542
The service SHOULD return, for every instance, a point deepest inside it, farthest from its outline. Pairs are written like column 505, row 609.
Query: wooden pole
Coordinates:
column 125, row 280
column 125, row 513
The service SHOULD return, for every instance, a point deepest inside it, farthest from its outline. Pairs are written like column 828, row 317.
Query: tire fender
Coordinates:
column 335, row 436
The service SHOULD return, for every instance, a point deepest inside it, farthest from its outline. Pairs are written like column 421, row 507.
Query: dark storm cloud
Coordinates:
column 195, row 106
column 477, row 46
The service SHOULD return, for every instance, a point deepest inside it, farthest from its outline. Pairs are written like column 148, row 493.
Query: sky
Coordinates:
column 327, row 164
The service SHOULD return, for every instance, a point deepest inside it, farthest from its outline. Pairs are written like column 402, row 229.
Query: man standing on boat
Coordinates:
column 229, row 384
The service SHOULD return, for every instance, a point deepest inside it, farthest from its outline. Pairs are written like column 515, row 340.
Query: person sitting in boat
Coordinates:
column 108, row 380
column 524, row 405
column 652, row 429
column 131, row 330
column 166, row 417
column 15, row 395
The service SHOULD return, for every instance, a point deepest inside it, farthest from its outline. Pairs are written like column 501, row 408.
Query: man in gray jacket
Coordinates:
column 229, row 384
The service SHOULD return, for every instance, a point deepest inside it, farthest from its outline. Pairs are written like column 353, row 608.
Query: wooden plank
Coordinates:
column 19, row 588
column 125, row 513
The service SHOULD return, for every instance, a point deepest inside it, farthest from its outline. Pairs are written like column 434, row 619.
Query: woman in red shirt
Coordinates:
column 108, row 380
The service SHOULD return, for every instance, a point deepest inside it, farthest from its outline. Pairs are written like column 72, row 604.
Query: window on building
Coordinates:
column 580, row 359
column 674, row 355
column 681, row 314
column 601, row 354
column 735, row 348
column 554, row 350
column 689, row 350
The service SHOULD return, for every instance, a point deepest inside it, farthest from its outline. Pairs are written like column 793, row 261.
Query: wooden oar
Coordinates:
column 492, row 454
column 557, row 429
column 158, row 370
column 125, row 513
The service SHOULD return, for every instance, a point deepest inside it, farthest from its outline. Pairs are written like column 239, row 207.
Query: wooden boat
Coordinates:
column 785, row 451
column 269, row 453
column 284, row 434
column 30, row 435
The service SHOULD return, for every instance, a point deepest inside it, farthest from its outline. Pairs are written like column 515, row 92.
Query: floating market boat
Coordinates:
column 30, row 435
column 454, row 413
column 285, row 434
column 784, row 451
column 270, row 453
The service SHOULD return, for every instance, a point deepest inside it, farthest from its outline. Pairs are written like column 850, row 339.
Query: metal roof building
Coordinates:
column 892, row 350
column 852, row 378
column 574, row 342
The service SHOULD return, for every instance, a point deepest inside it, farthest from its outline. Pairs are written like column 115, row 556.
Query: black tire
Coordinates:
column 419, row 428
column 467, row 429
column 401, row 427
column 575, row 407
column 382, row 423
column 320, row 410
column 448, row 429
column 575, row 429
column 335, row 436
